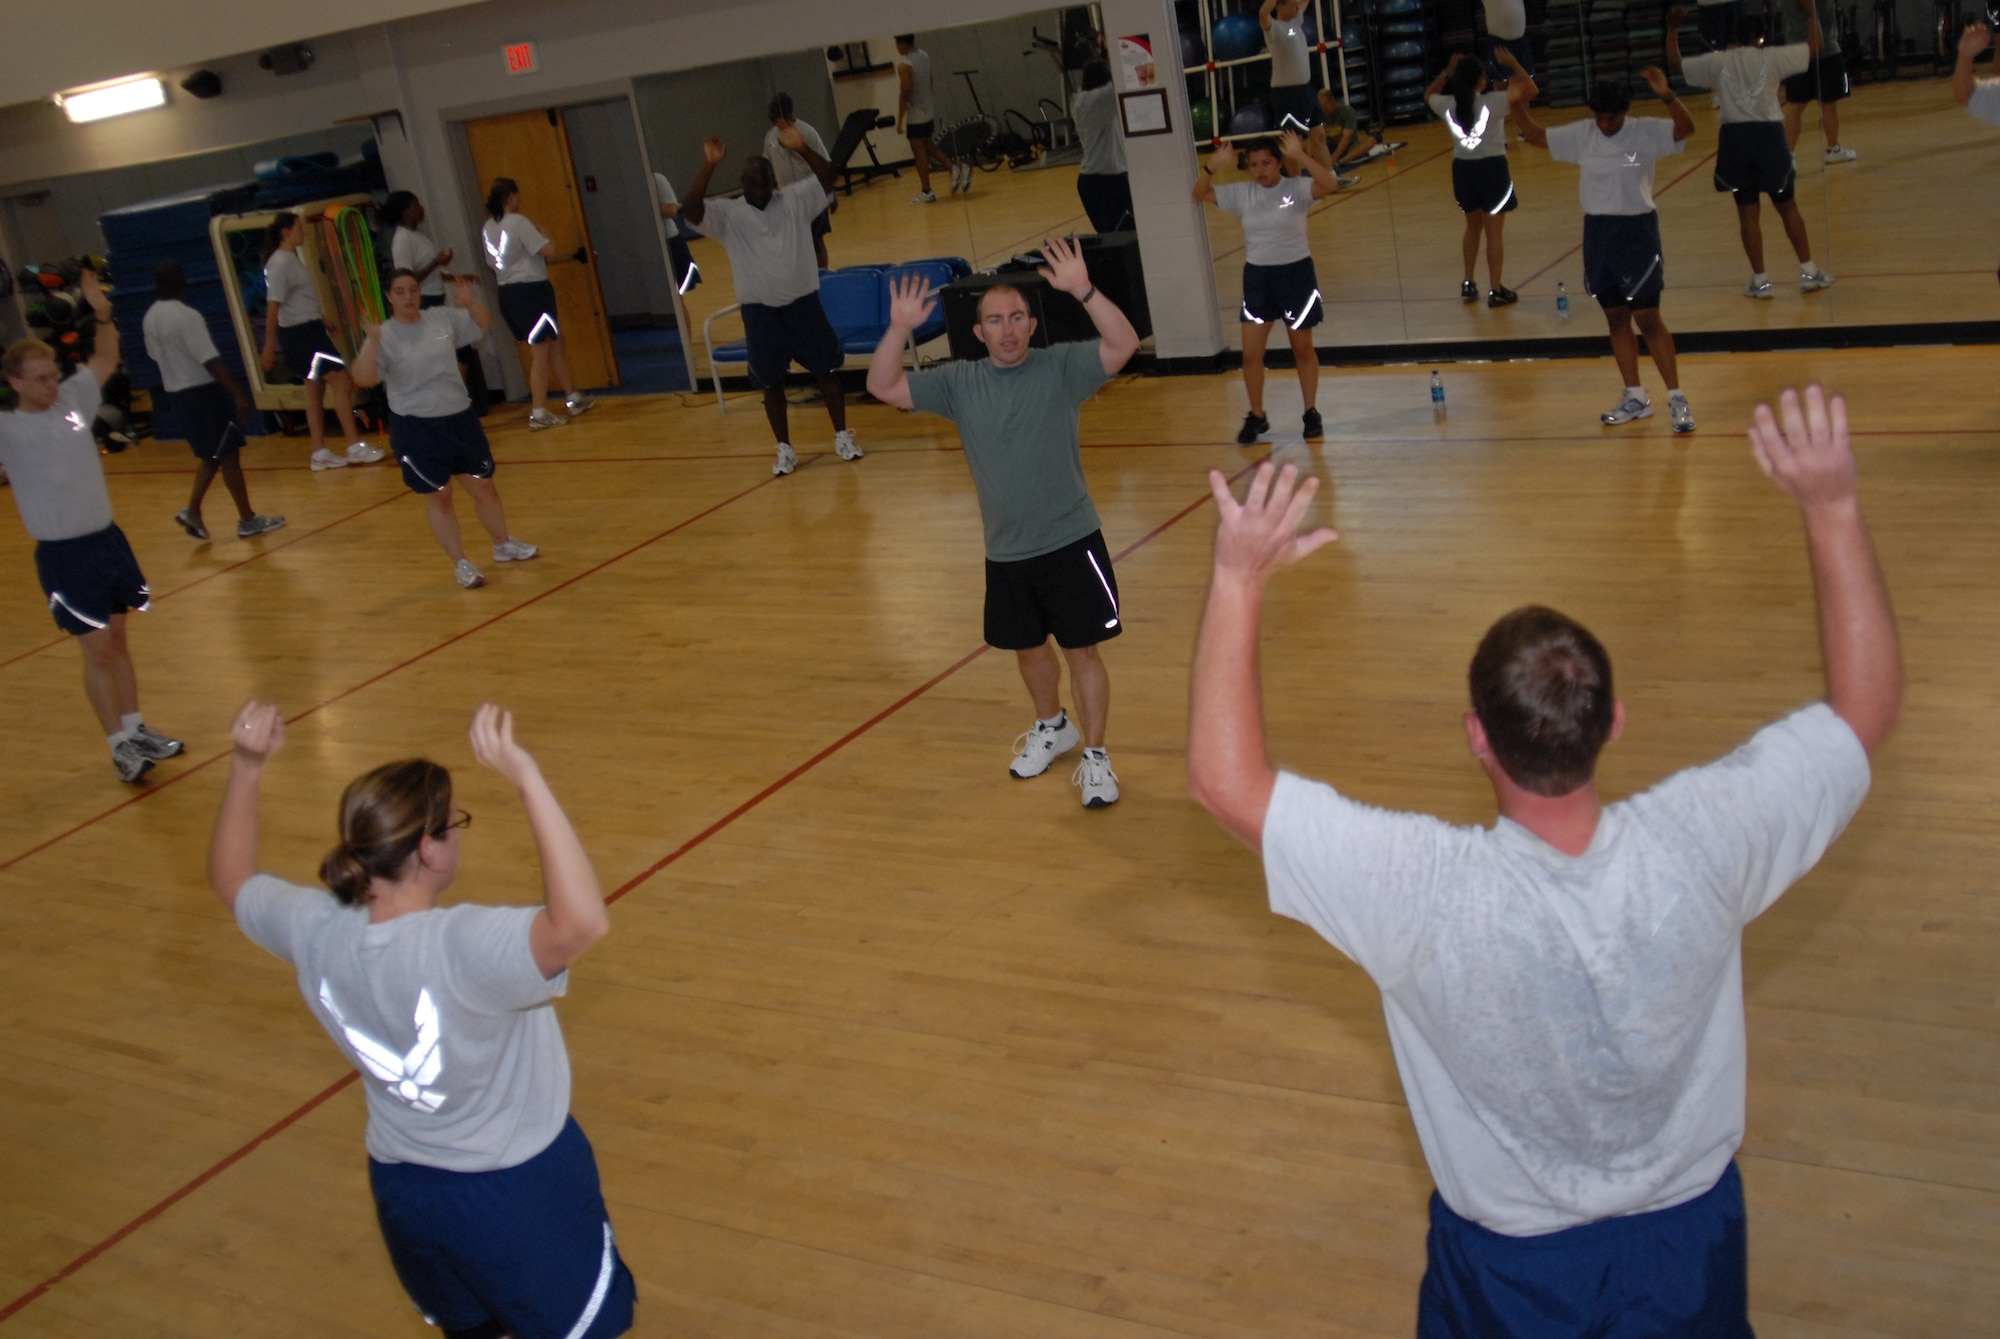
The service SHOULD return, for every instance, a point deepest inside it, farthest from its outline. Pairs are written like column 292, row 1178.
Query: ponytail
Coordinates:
column 1462, row 83
column 384, row 817
column 496, row 199
column 274, row 235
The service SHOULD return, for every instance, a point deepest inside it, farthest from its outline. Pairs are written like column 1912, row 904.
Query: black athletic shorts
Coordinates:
column 426, row 301
column 530, row 311
column 309, row 350
column 797, row 332
column 1295, row 107
column 1288, row 293
column 920, row 129
column 1825, row 80
column 1107, row 199
column 1483, row 185
column 90, row 578
column 1523, row 49
column 1752, row 159
column 1072, row 593
column 1621, row 260
column 822, row 223
column 431, row 450
column 208, row 417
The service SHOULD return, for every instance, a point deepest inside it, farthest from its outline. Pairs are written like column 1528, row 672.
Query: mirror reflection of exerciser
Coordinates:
column 338, row 252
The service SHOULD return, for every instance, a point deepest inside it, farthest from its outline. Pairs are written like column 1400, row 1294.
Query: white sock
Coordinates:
column 1676, row 394
column 118, row 738
column 1638, row 393
column 1055, row 722
column 130, row 722
column 1760, row 278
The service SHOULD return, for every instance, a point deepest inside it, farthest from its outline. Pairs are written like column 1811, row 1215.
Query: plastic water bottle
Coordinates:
column 1437, row 393
column 1562, row 302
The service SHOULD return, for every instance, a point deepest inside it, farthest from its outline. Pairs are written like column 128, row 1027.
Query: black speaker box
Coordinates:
column 1112, row 261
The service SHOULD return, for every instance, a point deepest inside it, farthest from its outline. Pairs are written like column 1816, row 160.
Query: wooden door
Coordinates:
column 533, row 149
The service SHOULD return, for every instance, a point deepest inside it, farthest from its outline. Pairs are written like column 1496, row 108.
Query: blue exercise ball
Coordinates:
column 1192, row 56
column 1403, row 51
column 1251, row 120
column 1236, row 36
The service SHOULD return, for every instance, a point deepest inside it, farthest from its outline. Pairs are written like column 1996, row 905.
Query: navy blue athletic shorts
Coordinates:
column 1679, row 1273
column 90, row 578
column 1071, row 593
column 1621, row 260
column 919, row 129
column 1295, row 107
column 1523, row 49
column 1288, row 293
column 822, row 223
column 208, row 417
column 1483, row 185
column 524, row 1251
column 1752, row 159
column 530, row 311
column 797, row 332
column 431, row 450
column 1824, row 80
column 309, row 350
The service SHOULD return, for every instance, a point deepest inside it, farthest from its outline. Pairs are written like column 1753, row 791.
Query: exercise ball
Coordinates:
column 1236, row 36
column 1202, row 113
column 1251, row 120
column 1311, row 26
column 1402, row 51
column 1192, row 55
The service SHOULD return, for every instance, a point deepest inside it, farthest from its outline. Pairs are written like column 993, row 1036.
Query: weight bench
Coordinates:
column 853, row 136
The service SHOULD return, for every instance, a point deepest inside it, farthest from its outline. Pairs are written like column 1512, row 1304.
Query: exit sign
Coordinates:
column 521, row 58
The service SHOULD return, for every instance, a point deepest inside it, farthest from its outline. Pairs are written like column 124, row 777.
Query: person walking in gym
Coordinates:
column 49, row 458
column 1825, row 78
column 485, row 1186
column 916, row 119
column 1751, row 156
column 520, row 256
column 1475, row 114
column 211, row 407
column 295, row 323
column 1564, row 989
column 1622, row 264
column 768, row 235
column 432, row 426
column 1279, row 283
column 1294, row 103
column 1102, row 182
column 1048, row 571
column 790, row 168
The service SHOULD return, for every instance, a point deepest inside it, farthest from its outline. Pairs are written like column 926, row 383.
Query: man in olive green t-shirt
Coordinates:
column 1048, row 571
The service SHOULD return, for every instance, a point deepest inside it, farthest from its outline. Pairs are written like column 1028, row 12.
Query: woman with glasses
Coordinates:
column 485, row 1186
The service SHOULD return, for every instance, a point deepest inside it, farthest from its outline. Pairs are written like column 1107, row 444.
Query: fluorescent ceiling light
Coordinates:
column 127, row 95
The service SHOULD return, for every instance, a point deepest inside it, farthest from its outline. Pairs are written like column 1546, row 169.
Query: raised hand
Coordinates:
column 1676, row 16
column 493, row 743
column 910, row 301
column 1974, row 40
column 790, row 136
column 1656, row 80
column 1259, row 535
column 259, row 731
column 1804, row 446
column 1293, row 148
column 1065, row 270
column 93, row 293
column 1223, row 159
column 464, row 285
column 712, row 151
column 370, row 326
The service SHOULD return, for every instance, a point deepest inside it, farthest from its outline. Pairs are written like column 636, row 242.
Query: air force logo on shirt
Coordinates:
column 408, row 1076
column 1470, row 139
column 1632, row 160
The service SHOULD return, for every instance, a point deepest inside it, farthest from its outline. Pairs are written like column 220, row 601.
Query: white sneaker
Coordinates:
column 1094, row 777
column 1812, row 283
column 512, row 550
column 1628, row 409
column 1753, row 289
column 1837, row 154
column 965, row 178
column 787, row 461
column 360, row 453
column 1677, row 409
column 542, row 418
column 468, row 575
column 1041, row 745
column 924, row 198
column 324, row 459
column 843, row 445
column 578, row 403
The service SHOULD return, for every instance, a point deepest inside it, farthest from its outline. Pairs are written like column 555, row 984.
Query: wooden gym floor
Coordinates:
column 884, row 1043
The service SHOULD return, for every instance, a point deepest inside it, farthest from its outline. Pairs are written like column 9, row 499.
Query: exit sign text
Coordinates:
column 520, row 58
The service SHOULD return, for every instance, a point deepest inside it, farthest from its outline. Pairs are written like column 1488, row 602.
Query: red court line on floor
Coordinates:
column 263, row 552
column 185, row 773
column 1656, row 195
column 547, row 460
column 630, row 884
column 1344, row 196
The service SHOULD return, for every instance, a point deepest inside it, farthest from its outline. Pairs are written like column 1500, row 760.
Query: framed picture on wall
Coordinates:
column 1144, row 112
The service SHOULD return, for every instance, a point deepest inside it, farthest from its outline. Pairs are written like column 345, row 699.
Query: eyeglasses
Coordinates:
column 464, row 820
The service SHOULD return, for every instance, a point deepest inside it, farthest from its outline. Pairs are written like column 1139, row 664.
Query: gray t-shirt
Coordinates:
column 51, row 460
column 1291, row 57
column 1617, row 176
column 290, row 288
column 177, row 339
column 411, row 250
column 770, row 250
column 1097, row 125
column 418, row 362
column 920, row 106
column 1019, row 429
column 787, row 166
column 1274, row 218
column 444, row 1013
column 1486, row 135
column 1569, row 1029
column 1747, row 79
column 1793, row 24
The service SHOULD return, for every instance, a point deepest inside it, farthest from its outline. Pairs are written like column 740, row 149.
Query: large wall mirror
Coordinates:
column 1896, row 225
